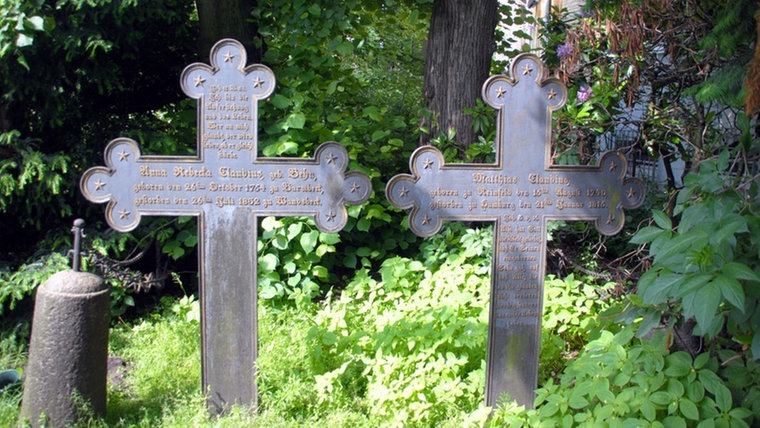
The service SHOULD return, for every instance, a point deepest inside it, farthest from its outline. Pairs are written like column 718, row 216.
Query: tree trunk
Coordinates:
column 458, row 61
column 228, row 18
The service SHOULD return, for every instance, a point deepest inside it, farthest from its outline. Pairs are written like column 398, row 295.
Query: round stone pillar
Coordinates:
column 68, row 351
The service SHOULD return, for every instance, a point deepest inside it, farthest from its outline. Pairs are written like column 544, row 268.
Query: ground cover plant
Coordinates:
column 404, row 345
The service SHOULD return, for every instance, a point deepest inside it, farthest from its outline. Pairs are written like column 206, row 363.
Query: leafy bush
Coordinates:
column 621, row 381
column 705, row 267
column 21, row 284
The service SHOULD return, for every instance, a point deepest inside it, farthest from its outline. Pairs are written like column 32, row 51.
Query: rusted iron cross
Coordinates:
column 227, row 187
column 519, row 194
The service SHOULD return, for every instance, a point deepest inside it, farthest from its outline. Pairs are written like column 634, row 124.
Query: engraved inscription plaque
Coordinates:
column 518, row 193
column 227, row 187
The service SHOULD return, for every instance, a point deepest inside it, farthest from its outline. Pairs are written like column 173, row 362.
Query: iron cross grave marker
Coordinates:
column 519, row 194
column 227, row 187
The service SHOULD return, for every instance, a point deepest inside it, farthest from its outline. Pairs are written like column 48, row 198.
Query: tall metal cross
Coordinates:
column 519, row 194
column 227, row 187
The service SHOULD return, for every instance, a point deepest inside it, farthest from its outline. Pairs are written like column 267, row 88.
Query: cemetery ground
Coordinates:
column 404, row 345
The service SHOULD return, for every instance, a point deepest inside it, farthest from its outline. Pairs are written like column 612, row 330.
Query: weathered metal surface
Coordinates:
column 76, row 252
column 519, row 193
column 227, row 186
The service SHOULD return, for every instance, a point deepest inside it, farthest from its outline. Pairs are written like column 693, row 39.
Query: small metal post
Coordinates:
column 76, row 256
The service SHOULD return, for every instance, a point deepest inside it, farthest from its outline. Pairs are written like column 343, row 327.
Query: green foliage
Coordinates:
column 32, row 176
column 412, row 343
column 620, row 381
column 22, row 283
column 291, row 264
column 706, row 266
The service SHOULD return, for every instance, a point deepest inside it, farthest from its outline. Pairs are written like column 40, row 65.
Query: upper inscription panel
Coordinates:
column 522, row 186
column 226, row 174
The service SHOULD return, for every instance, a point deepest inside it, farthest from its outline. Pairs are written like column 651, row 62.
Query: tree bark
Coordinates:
column 458, row 61
column 228, row 18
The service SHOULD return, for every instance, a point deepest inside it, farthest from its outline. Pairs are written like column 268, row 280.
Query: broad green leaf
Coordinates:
column 280, row 101
column 577, row 400
column 701, row 360
column 372, row 112
column 329, row 238
column 706, row 303
column 270, row 223
column 680, row 244
column 648, row 410
column 23, row 40
column 280, row 242
column 740, row 271
column 268, row 262
column 320, row 272
column 678, row 364
column 662, row 398
column 715, row 385
column 663, row 287
column 294, row 229
column 695, row 391
column 674, row 422
column 345, row 48
column 35, row 23
column 731, row 290
column 662, row 220
column 267, row 292
column 309, row 241
column 734, row 224
column 693, row 283
column 295, row 121
column 647, row 234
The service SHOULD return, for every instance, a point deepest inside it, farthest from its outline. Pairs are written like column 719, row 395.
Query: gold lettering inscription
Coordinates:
column 482, row 178
column 550, row 179
column 180, row 171
column 282, row 200
column 443, row 192
column 146, row 171
column 306, row 188
column 147, row 187
column 562, row 204
column 151, row 200
column 227, row 172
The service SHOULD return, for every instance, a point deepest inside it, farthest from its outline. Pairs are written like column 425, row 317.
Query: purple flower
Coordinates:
column 587, row 13
column 564, row 51
column 584, row 93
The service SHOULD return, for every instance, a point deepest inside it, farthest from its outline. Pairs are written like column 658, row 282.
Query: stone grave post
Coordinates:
column 519, row 194
column 68, row 350
column 227, row 186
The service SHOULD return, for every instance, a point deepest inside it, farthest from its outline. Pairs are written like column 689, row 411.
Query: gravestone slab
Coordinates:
column 227, row 186
column 519, row 194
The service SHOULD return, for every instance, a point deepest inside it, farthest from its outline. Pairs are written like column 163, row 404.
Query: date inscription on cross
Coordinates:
column 519, row 193
column 227, row 187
